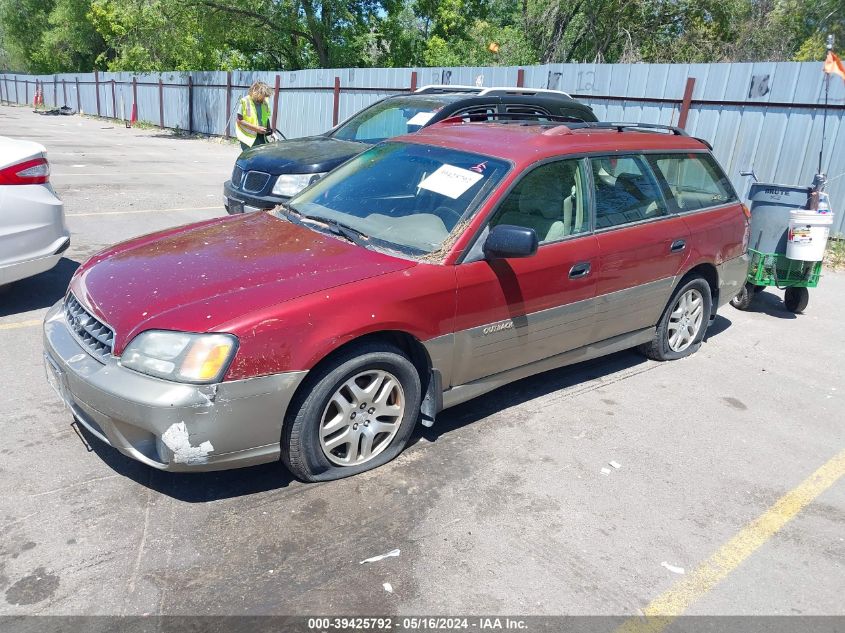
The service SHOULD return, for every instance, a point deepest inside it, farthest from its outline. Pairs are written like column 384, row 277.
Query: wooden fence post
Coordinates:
column 113, row 100
column 228, row 101
column 64, row 91
column 97, row 88
column 276, row 102
column 16, row 89
column 520, row 78
column 191, row 106
column 685, row 104
column 336, row 111
column 160, row 103
column 55, row 92
column 78, row 98
column 413, row 80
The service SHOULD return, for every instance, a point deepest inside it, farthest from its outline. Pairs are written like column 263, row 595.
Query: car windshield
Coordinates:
column 405, row 195
column 388, row 118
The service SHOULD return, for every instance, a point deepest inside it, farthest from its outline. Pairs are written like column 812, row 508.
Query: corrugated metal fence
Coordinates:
column 765, row 116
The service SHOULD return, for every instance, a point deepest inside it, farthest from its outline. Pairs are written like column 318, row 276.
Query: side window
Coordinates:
column 477, row 113
column 695, row 180
column 550, row 200
column 528, row 113
column 625, row 191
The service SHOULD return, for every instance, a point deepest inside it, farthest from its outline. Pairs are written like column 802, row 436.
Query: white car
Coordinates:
column 33, row 233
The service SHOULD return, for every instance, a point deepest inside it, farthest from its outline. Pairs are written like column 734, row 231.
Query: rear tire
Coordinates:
column 354, row 414
column 683, row 323
column 796, row 299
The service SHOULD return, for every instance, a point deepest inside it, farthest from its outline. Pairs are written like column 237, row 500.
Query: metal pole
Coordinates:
column 97, row 88
column 276, row 102
column 228, row 100
column 826, row 91
column 336, row 104
column 160, row 103
column 191, row 106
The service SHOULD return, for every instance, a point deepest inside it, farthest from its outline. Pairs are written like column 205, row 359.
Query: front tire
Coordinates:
column 354, row 414
column 683, row 323
column 743, row 299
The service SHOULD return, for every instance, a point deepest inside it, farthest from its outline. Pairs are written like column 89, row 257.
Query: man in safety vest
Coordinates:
column 253, row 124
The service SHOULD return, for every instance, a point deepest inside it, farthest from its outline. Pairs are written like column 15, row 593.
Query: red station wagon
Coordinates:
column 422, row 273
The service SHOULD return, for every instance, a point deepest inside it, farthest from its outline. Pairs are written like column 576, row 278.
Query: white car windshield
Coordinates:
column 406, row 195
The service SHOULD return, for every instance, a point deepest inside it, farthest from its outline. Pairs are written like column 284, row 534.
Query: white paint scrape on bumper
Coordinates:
column 168, row 425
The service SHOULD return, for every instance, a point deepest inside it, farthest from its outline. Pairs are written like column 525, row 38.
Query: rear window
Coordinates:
column 388, row 118
column 695, row 181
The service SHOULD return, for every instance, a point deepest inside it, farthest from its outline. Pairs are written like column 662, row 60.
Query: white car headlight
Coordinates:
column 289, row 185
column 179, row 356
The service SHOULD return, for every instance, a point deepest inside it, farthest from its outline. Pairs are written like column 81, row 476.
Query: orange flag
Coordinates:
column 833, row 65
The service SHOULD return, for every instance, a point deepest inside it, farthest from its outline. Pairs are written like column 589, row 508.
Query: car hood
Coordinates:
column 309, row 155
column 198, row 277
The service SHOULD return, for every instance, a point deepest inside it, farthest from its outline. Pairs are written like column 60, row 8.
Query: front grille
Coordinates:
column 95, row 336
column 237, row 176
column 255, row 181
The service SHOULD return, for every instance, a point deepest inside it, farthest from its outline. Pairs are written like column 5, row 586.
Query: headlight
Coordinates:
column 195, row 358
column 289, row 185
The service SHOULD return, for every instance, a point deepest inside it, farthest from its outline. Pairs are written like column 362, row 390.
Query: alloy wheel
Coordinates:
column 685, row 320
column 362, row 417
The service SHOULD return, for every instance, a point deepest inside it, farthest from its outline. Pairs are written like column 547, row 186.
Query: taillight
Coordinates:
column 30, row 172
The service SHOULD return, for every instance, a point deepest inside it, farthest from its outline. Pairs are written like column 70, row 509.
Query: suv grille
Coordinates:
column 255, row 181
column 237, row 176
column 95, row 336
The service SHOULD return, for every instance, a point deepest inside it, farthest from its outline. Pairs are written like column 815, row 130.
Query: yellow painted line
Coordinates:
column 673, row 602
column 20, row 324
column 82, row 215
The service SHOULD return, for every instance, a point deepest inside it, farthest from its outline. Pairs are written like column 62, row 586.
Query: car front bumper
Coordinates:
column 167, row 425
column 239, row 202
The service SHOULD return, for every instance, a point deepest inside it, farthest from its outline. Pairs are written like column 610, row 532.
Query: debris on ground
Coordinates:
column 616, row 465
column 672, row 568
column 63, row 111
column 388, row 587
column 605, row 471
column 375, row 559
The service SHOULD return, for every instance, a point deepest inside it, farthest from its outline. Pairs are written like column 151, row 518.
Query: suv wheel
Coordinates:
column 684, row 322
column 355, row 414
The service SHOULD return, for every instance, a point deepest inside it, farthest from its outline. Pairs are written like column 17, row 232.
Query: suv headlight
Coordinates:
column 289, row 185
column 180, row 356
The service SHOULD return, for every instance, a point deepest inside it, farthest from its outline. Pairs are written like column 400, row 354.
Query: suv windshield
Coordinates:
column 407, row 195
column 388, row 118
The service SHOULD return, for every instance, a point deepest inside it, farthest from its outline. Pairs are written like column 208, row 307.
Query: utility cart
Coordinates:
column 788, row 234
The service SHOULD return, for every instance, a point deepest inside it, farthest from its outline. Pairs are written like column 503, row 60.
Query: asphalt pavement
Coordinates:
column 502, row 507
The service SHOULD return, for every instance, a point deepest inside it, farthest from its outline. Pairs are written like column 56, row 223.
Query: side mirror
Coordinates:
column 507, row 241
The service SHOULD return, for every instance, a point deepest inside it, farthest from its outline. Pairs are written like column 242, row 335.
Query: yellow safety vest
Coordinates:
column 250, row 115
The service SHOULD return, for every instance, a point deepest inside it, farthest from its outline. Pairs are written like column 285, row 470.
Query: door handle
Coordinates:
column 677, row 246
column 581, row 269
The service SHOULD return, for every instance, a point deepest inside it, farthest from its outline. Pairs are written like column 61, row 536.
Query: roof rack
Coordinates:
column 442, row 88
column 515, row 117
column 621, row 127
column 494, row 91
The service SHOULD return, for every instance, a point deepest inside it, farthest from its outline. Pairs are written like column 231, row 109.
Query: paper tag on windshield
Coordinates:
column 450, row 181
column 420, row 118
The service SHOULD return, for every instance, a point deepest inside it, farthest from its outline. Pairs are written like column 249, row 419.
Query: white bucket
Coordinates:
column 808, row 233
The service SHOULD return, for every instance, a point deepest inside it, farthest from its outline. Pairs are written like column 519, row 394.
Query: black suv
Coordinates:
column 269, row 174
